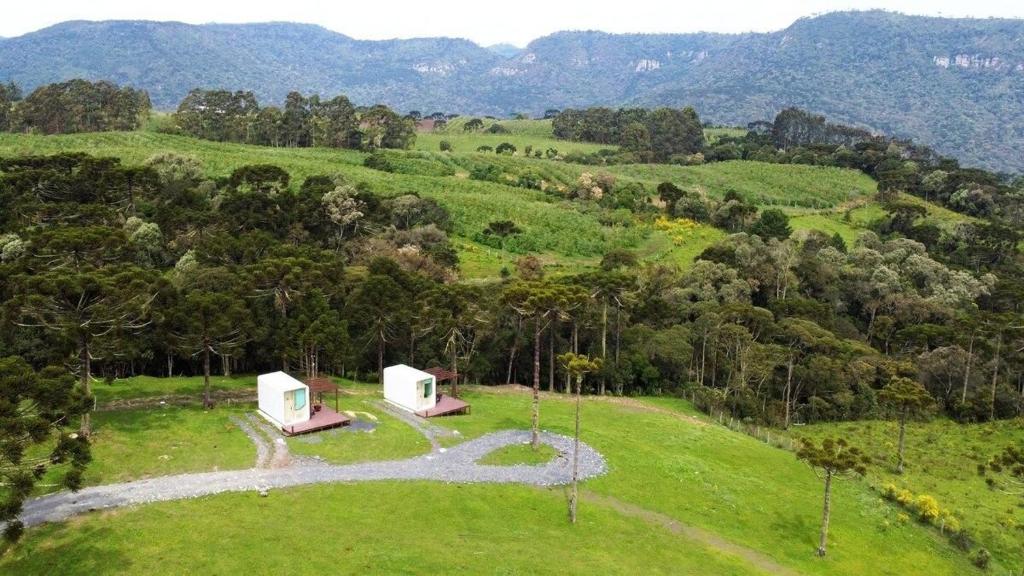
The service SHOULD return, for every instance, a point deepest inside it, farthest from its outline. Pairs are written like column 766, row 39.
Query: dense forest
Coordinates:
column 227, row 116
column 155, row 269
column 73, row 106
column 661, row 135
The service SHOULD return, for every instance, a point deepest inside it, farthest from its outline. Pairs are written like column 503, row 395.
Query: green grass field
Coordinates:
column 392, row 439
column 521, row 133
column 142, row 443
column 942, row 458
column 743, row 507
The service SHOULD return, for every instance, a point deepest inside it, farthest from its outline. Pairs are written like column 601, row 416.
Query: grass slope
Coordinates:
column 942, row 458
column 378, row 528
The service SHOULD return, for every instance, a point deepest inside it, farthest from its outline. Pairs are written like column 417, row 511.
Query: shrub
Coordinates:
column 484, row 149
column 445, row 146
column 505, row 148
column 927, row 508
column 981, row 558
column 378, row 162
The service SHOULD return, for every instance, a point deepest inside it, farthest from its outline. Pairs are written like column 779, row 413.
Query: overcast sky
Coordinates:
column 485, row 21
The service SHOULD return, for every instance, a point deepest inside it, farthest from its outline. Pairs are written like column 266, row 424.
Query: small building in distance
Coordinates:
column 282, row 399
column 409, row 389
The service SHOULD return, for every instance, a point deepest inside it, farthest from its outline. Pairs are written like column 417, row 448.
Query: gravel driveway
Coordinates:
column 454, row 465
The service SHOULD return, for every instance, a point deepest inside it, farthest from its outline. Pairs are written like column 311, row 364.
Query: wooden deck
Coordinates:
column 446, row 406
column 322, row 420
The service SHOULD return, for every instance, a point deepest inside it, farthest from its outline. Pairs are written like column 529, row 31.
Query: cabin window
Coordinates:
column 300, row 399
column 428, row 388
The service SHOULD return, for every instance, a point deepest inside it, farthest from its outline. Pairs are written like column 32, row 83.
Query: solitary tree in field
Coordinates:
column 830, row 459
column 577, row 366
column 906, row 398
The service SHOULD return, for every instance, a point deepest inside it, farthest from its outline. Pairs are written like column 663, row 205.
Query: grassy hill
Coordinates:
column 942, row 458
column 564, row 235
column 683, row 495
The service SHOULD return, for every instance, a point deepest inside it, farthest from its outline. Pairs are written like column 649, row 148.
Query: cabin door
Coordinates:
column 295, row 406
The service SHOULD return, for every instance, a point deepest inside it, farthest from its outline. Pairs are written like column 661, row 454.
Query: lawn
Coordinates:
column 942, row 458
column 520, row 454
column 141, row 443
column 391, row 439
column 148, row 387
column 373, row 528
column 663, row 460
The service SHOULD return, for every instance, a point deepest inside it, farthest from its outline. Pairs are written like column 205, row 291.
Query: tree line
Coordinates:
column 227, row 116
column 73, row 106
column 659, row 135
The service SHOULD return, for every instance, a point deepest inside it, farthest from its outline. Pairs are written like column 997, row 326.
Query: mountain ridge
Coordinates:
column 948, row 83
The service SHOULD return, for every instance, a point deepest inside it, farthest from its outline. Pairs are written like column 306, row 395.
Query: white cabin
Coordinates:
column 282, row 399
column 409, row 389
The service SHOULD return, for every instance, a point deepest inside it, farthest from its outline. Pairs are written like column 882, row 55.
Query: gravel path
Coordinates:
column 263, row 450
column 457, row 464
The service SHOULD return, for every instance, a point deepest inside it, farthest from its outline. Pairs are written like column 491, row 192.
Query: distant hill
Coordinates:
column 952, row 83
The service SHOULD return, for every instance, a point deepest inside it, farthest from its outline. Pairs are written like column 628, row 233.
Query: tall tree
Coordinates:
column 84, row 307
column 539, row 301
column 831, row 459
column 577, row 366
column 211, row 320
column 460, row 314
column 906, row 398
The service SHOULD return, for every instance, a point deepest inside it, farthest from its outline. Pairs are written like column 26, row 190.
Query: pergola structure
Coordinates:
column 319, row 385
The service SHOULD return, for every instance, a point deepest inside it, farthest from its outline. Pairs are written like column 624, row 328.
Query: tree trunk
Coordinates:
column 207, row 401
column 823, row 541
column 380, row 358
column 995, row 379
column 789, row 389
column 455, row 372
column 967, row 370
column 575, row 494
column 535, row 420
column 604, row 341
column 551, row 358
column 902, row 441
column 85, row 427
column 225, row 363
column 512, row 351
column 170, row 365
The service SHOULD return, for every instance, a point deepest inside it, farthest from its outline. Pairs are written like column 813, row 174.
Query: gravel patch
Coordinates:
column 263, row 449
column 454, row 465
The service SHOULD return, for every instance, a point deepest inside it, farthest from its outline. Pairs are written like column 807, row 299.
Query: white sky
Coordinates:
column 485, row 21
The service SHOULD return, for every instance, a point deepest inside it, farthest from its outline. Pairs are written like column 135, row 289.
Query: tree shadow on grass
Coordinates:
column 65, row 548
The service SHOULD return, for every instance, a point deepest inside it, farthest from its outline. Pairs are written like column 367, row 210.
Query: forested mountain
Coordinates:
column 949, row 83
